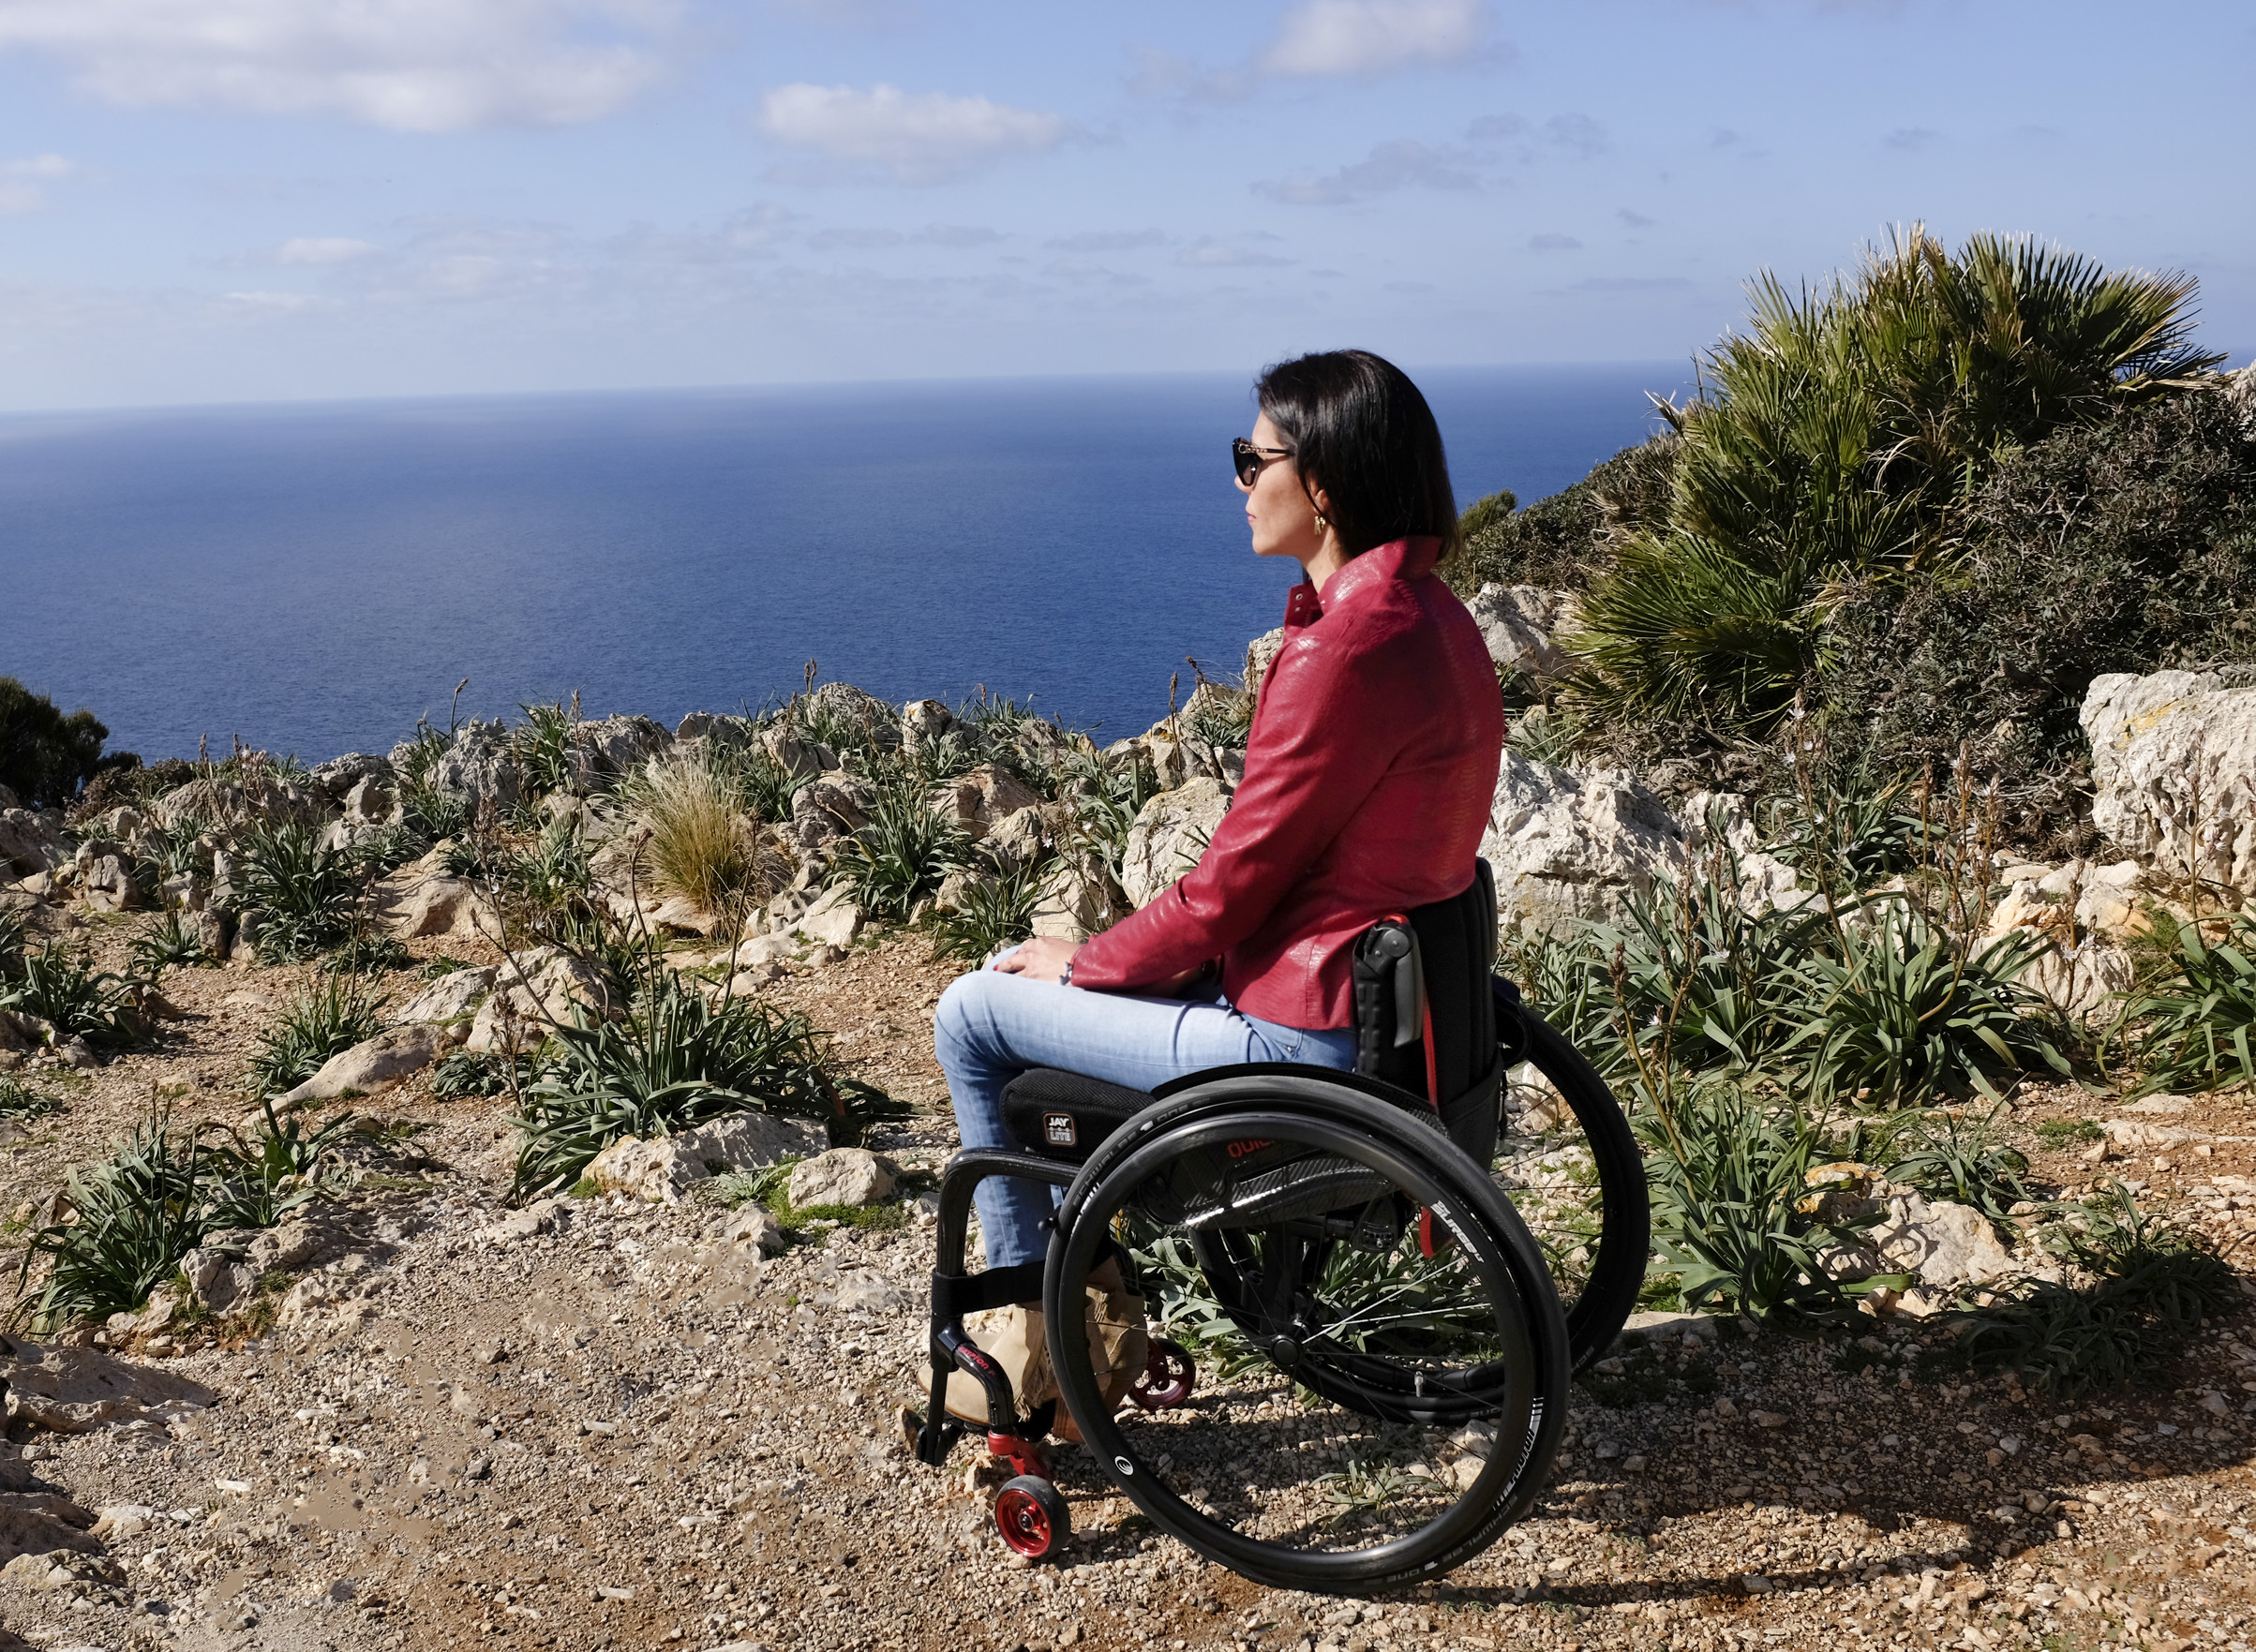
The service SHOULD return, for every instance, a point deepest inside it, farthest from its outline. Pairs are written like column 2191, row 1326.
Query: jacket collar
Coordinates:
column 1402, row 558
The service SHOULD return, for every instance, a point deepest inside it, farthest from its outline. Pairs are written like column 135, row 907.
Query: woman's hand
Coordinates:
column 1043, row 959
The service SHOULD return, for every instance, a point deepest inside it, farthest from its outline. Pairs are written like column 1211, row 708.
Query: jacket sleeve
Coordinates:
column 1319, row 746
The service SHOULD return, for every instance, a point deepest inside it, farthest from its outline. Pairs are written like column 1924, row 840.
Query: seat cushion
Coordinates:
column 1063, row 1115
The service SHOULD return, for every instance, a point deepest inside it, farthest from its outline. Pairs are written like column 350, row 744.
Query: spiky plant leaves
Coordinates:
column 995, row 911
column 1903, row 1013
column 62, row 988
column 2194, row 1024
column 1844, row 427
column 330, row 1017
column 307, row 890
column 674, row 1062
column 903, row 855
column 130, row 1222
column 168, row 943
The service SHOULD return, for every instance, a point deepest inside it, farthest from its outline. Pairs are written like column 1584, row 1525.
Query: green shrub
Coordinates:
column 1561, row 542
column 368, row 954
column 903, row 855
column 64, row 988
column 1962, row 1160
column 996, row 911
column 675, row 1061
column 168, row 942
column 2192, row 1027
column 45, row 756
column 2060, row 1133
column 2126, row 545
column 308, row 893
column 478, row 1072
column 327, row 1018
column 1732, row 1216
column 2136, row 1293
column 283, row 1165
column 543, row 746
column 19, row 1100
column 1902, row 1014
column 130, row 1222
column 169, row 852
column 1845, row 430
column 756, row 783
column 430, row 817
column 11, row 942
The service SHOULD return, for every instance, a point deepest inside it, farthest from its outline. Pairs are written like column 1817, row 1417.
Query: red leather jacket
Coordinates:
column 1368, row 778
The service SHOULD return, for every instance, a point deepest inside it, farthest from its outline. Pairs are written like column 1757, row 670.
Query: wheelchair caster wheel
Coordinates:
column 1168, row 1376
column 1032, row 1517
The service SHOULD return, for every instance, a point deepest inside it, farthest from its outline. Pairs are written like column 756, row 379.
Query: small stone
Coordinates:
column 1769, row 1420
column 478, row 1468
column 1755, row 1583
column 1724, row 1408
column 842, row 1176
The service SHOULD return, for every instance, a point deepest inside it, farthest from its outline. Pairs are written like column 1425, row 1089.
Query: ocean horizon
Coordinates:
column 311, row 577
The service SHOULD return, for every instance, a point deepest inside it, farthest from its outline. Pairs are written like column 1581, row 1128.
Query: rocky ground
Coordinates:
column 613, row 1425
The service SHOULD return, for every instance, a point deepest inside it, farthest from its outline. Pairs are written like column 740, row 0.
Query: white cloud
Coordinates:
column 324, row 249
column 283, row 302
column 1399, row 164
column 1372, row 37
column 19, row 191
column 1553, row 242
column 416, row 65
column 922, row 138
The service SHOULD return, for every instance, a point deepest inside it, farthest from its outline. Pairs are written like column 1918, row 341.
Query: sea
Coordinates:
column 312, row 578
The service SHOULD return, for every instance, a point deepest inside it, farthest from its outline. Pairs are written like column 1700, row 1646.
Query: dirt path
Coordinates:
column 627, row 1431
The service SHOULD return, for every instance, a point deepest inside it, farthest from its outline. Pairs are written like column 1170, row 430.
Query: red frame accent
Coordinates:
column 1024, row 1455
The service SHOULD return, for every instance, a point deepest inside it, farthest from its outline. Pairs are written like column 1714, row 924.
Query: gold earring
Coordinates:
column 1320, row 523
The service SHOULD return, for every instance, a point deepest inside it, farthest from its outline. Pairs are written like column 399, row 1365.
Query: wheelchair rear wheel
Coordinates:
column 1597, row 1258
column 1371, row 1403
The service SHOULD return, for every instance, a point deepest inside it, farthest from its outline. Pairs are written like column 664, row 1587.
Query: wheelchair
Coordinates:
column 1387, row 1347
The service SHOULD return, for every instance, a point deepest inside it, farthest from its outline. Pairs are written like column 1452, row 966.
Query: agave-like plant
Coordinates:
column 677, row 1061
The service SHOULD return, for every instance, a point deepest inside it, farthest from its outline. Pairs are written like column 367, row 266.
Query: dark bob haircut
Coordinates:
column 1362, row 431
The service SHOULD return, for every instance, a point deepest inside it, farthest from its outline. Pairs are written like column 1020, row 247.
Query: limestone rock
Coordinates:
column 1567, row 845
column 756, row 1225
column 924, row 722
column 1522, row 625
column 1260, row 654
column 538, row 989
column 833, row 920
column 842, row 1176
column 1020, row 838
column 2174, row 772
column 1944, row 1243
column 341, row 776
column 108, row 884
column 30, row 842
column 370, row 803
column 479, row 766
column 377, row 1065
column 614, row 746
column 72, row 1390
column 984, row 796
column 829, row 807
column 450, row 998
column 840, row 704
column 433, row 905
column 1170, row 835
column 665, row 1167
column 544, row 1215
column 35, row 1528
column 1078, row 899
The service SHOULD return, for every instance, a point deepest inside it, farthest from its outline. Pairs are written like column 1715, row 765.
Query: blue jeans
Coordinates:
column 990, row 1028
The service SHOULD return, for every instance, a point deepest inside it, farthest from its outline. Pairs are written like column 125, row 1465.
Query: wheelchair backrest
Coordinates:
column 1449, row 984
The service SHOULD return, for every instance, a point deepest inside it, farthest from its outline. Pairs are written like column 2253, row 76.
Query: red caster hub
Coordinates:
column 1032, row 1517
column 1168, row 1377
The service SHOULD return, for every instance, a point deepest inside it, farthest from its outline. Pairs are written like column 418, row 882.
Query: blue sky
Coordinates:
column 227, row 200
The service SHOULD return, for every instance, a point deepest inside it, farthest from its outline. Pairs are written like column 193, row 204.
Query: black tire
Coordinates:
column 1032, row 1518
column 1321, row 1388
column 1607, row 1295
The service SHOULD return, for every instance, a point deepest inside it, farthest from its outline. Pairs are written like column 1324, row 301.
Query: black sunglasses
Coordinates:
column 1248, row 460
